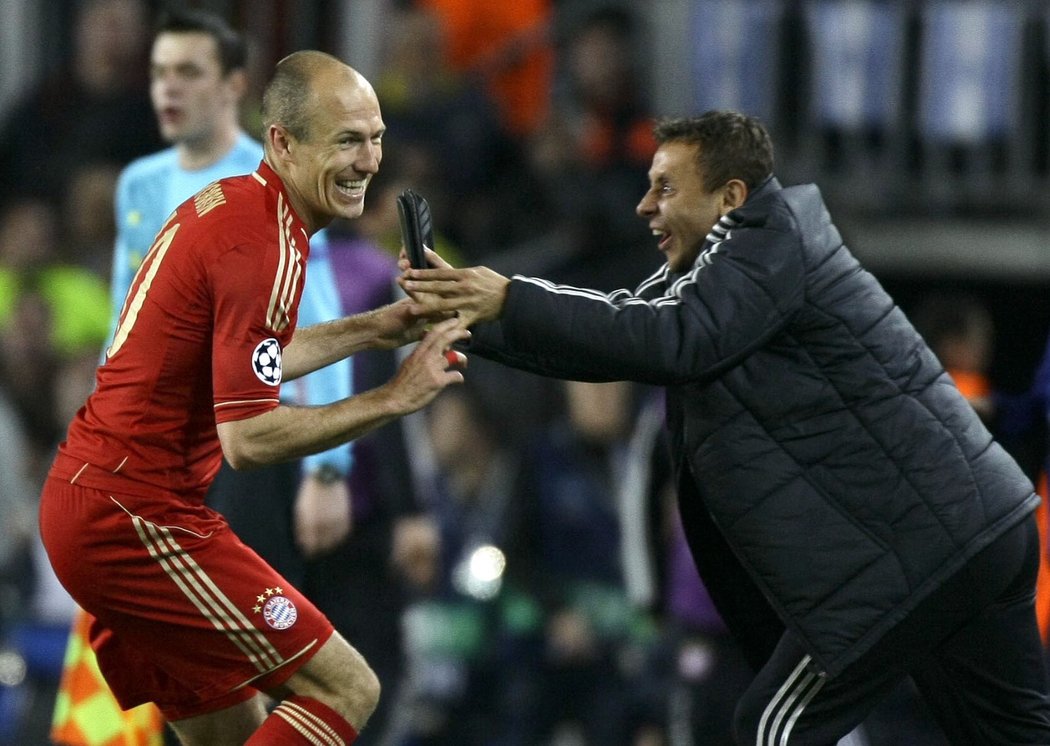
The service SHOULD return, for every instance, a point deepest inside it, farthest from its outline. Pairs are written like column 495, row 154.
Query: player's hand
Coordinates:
column 474, row 294
column 402, row 322
column 431, row 366
column 322, row 514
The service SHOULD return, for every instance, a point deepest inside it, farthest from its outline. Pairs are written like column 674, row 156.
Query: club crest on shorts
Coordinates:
column 278, row 610
column 266, row 361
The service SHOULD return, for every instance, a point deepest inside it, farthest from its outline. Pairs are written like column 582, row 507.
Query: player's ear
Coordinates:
column 279, row 140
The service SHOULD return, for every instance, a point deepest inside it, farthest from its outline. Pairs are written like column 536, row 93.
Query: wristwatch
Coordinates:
column 327, row 474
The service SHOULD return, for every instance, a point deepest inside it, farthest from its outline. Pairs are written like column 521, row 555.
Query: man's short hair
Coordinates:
column 731, row 146
column 232, row 46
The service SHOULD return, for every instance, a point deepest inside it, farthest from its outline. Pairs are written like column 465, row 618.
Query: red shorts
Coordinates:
column 187, row 616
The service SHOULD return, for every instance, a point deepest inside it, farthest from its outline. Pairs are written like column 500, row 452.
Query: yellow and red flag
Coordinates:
column 86, row 712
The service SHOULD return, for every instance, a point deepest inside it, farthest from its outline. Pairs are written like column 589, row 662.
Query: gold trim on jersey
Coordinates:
column 279, row 311
column 133, row 304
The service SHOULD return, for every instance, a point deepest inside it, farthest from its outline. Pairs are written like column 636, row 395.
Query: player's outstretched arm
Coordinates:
column 385, row 328
column 289, row 432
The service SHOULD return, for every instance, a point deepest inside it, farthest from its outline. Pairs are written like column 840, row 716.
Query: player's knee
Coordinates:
column 367, row 688
column 339, row 677
column 357, row 692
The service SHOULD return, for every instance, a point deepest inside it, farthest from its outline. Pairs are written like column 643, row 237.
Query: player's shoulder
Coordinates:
column 237, row 198
column 232, row 211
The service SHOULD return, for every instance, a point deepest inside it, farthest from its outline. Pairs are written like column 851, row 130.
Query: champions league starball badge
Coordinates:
column 278, row 611
column 266, row 361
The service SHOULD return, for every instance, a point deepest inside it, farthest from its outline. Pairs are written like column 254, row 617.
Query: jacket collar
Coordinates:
column 767, row 187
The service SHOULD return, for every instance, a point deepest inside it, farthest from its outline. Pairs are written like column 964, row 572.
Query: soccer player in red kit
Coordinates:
column 187, row 616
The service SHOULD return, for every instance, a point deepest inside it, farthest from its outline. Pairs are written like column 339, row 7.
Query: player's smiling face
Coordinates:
column 337, row 159
column 680, row 210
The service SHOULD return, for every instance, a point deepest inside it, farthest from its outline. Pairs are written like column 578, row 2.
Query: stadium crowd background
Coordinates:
column 526, row 124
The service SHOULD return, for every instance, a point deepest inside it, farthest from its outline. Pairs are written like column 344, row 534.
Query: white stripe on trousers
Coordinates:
column 787, row 705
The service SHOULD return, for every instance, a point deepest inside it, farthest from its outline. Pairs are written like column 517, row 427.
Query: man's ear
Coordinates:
column 237, row 84
column 733, row 195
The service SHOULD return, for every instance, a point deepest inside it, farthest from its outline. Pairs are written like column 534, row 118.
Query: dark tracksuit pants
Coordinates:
column 972, row 648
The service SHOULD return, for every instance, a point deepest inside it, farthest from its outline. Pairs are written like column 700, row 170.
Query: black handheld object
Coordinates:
column 417, row 229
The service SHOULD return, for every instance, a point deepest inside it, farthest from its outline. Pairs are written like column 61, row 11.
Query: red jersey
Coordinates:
column 199, row 339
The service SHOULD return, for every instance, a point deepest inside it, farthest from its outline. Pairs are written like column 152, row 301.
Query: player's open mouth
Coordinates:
column 663, row 239
column 352, row 187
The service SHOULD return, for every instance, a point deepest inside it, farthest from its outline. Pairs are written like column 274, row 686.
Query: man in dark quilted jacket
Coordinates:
column 852, row 518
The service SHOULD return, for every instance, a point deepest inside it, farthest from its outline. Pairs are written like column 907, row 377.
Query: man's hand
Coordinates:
column 323, row 515
column 474, row 294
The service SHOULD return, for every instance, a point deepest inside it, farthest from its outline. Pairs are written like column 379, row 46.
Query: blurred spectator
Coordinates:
column 587, row 677
column 958, row 328
column 523, row 634
column 28, row 366
column 1024, row 418
column 29, row 230
column 601, row 101
column 49, row 310
column 87, row 211
column 22, row 718
column 38, row 609
column 95, row 109
column 600, row 93
column 442, row 126
column 17, row 511
column 452, row 625
column 569, row 215
column 506, row 45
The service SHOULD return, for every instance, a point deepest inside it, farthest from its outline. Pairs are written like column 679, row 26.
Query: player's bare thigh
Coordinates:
column 337, row 675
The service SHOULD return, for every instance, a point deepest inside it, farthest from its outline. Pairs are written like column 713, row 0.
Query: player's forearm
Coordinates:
column 290, row 432
column 316, row 346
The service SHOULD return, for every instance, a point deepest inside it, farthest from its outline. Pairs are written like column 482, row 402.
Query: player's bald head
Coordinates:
column 299, row 82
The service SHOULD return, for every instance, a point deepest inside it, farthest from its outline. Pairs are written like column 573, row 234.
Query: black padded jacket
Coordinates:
column 812, row 428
